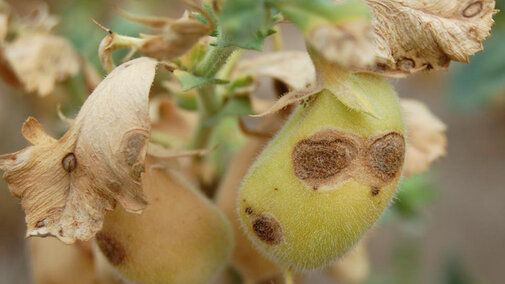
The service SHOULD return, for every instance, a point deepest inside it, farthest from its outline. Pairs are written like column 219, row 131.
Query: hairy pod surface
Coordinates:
column 325, row 178
column 247, row 259
column 180, row 238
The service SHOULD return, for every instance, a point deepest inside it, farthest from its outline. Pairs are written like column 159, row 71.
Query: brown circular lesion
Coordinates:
column 69, row 162
column 321, row 157
column 473, row 9
column 268, row 229
column 113, row 250
column 406, row 64
column 386, row 155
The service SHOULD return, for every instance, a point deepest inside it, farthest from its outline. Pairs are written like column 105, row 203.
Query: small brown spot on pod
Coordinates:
column 375, row 191
column 268, row 229
column 114, row 186
column 473, row 9
column 248, row 211
column 111, row 248
column 473, row 33
column 321, row 159
column 69, row 162
column 134, row 146
column 41, row 223
column 138, row 169
column 386, row 155
column 406, row 64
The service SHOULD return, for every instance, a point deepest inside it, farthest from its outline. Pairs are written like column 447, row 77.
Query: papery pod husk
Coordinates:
column 181, row 237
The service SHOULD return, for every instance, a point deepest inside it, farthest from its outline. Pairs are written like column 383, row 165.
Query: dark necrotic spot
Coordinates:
column 134, row 146
column 386, row 155
column 321, row 159
column 248, row 211
column 280, row 88
column 40, row 224
column 111, row 248
column 473, row 9
column 406, row 64
column 69, row 162
column 375, row 191
column 268, row 229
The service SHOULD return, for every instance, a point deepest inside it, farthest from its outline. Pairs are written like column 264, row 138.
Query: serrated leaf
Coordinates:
column 241, row 23
column 189, row 81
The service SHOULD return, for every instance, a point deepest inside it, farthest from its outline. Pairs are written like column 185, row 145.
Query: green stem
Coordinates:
column 213, row 61
column 208, row 101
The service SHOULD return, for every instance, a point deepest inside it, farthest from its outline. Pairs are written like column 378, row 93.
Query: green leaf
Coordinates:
column 242, row 24
column 235, row 106
column 189, row 81
column 475, row 85
column 187, row 102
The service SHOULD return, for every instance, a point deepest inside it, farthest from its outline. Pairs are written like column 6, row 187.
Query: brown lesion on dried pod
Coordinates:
column 69, row 162
column 321, row 158
column 113, row 250
column 473, row 9
column 406, row 64
column 268, row 229
column 133, row 150
column 386, row 155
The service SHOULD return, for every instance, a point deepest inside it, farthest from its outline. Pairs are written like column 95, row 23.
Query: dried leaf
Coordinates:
column 413, row 35
column 172, row 121
column 176, row 37
column 289, row 98
column 348, row 45
column 426, row 140
column 341, row 32
column 293, row 68
column 66, row 185
column 39, row 60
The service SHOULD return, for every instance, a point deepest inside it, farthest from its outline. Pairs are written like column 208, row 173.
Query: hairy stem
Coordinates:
column 208, row 101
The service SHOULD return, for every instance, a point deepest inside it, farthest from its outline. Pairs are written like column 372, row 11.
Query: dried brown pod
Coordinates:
column 189, row 239
column 39, row 60
column 292, row 68
column 175, row 37
column 418, row 35
column 426, row 141
column 66, row 185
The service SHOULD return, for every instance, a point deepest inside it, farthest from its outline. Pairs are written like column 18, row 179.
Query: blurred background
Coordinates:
column 447, row 226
